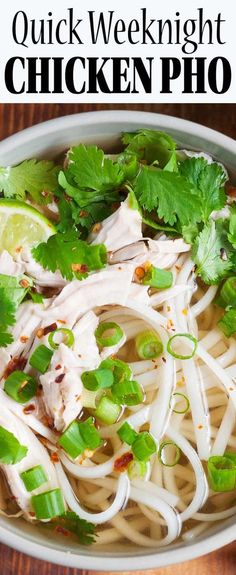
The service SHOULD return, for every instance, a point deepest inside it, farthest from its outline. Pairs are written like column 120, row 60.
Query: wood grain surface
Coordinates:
column 218, row 116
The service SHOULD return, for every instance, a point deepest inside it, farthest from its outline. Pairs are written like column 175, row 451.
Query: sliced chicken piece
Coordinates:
column 27, row 322
column 121, row 228
column 109, row 286
column 62, row 387
column 85, row 346
column 36, row 455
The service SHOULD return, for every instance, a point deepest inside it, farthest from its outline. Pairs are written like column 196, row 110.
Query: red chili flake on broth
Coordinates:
column 122, row 462
column 79, row 268
column 31, row 513
column 15, row 364
column 62, row 530
column 59, row 378
column 231, row 191
column 58, row 366
column 140, row 273
column 29, row 409
column 83, row 214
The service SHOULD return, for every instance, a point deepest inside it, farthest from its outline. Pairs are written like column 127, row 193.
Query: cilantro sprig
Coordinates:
column 69, row 521
column 37, row 178
column 73, row 257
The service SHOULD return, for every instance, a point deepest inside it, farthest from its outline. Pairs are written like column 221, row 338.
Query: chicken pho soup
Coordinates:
column 117, row 343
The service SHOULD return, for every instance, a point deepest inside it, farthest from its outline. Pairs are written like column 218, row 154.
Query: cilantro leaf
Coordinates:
column 7, row 317
column 150, row 145
column 16, row 287
column 92, row 171
column 11, row 450
column 83, row 197
column 30, row 176
column 71, row 256
column 209, row 179
column 84, row 530
column 212, row 253
column 228, row 322
column 170, row 194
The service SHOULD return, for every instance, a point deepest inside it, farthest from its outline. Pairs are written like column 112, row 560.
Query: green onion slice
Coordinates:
column 11, row 451
column 137, row 469
column 68, row 338
column 108, row 411
column 175, row 399
column 80, row 436
column 41, row 358
column 127, row 393
column 158, row 278
column 148, row 345
column 127, row 434
column 169, row 453
column 48, row 504
column 119, row 368
column 108, row 334
column 20, row 386
column 34, row 477
column 144, row 446
column 97, row 379
column 222, row 472
column 175, row 340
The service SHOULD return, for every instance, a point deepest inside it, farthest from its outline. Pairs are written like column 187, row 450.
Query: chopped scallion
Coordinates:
column 41, row 358
column 80, row 435
column 97, row 379
column 107, row 411
column 137, row 469
column 169, row 453
column 48, row 504
column 148, row 345
column 158, row 278
column 68, row 338
column 108, row 334
column 20, row 386
column 119, row 368
column 179, row 340
column 144, row 446
column 34, row 477
column 127, row 393
column 127, row 434
column 175, row 399
column 222, row 472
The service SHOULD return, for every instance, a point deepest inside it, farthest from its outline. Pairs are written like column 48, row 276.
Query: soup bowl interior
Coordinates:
column 50, row 140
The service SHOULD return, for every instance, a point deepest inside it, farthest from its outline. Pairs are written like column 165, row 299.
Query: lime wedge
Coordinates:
column 22, row 226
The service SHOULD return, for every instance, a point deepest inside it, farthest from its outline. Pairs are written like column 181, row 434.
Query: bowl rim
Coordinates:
column 166, row 556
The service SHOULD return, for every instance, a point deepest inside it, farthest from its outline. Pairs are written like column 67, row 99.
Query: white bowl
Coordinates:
column 47, row 140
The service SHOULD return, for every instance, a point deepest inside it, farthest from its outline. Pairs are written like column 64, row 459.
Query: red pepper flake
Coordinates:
column 31, row 513
column 49, row 328
column 62, row 530
column 29, row 409
column 19, row 249
column 83, row 214
column 122, row 462
column 24, row 283
column 54, row 457
column 140, row 273
column 15, row 364
column 58, row 366
column 48, row 421
column 79, row 268
column 96, row 228
column 61, row 321
column 200, row 426
column 24, row 338
column 59, row 378
column 163, row 359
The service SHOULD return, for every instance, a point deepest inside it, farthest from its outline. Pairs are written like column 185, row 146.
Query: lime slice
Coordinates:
column 22, row 226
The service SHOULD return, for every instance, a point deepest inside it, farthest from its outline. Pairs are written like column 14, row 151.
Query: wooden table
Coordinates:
column 16, row 117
